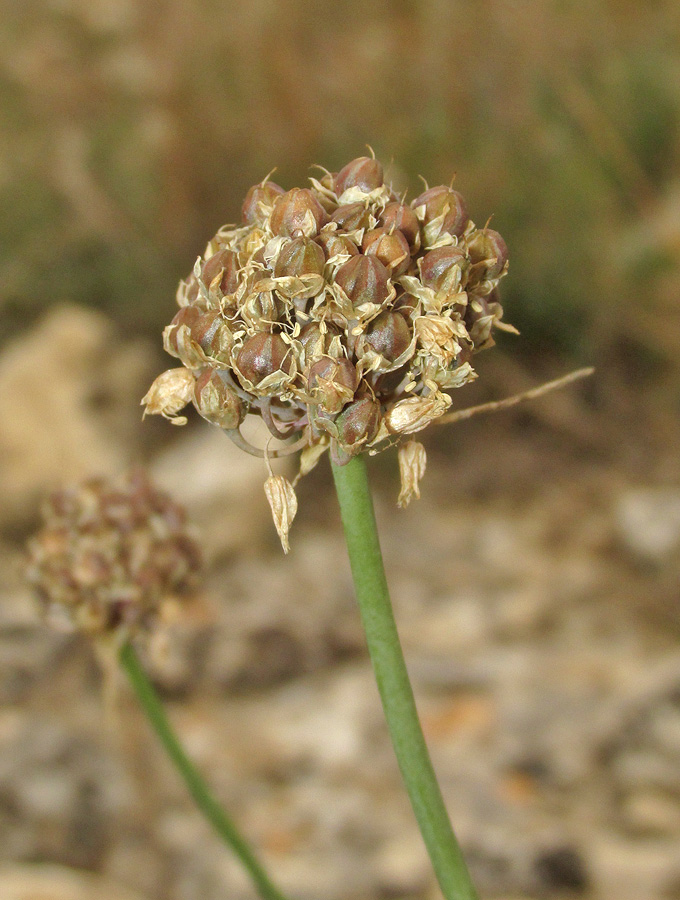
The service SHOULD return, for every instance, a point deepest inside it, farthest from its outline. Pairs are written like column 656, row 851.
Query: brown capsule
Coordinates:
column 334, row 244
column 315, row 342
column 216, row 400
column 442, row 200
column 358, row 423
column 300, row 256
column 207, row 329
column 340, row 370
column 389, row 335
column 398, row 215
column 226, row 262
column 391, row 248
column 297, row 212
column 489, row 253
column 259, row 201
column 262, row 355
column 364, row 279
column 364, row 173
column 406, row 305
column 351, row 216
column 444, row 268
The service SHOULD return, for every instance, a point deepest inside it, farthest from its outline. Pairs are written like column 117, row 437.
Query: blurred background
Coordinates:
column 536, row 581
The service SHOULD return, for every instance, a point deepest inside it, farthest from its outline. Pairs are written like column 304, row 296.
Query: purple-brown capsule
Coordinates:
column 297, row 212
column 358, row 423
column 444, row 269
column 364, row 279
column 391, row 248
column 489, row 254
column 216, row 400
column 259, row 201
column 301, row 256
column 334, row 244
column 389, row 335
column 398, row 215
column 442, row 200
column 262, row 355
column 225, row 262
column 351, row 216
column 207, row 329
column 364, row 173
column 314, row 341
column 332, row 382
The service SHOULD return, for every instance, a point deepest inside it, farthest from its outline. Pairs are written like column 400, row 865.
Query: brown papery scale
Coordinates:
column 364, row 173
column 226, row 262
column 391, row 248
column 262, row 355
column 442, row 200
column 399, row 216
column 259, row 201
column 297, row 212
column 216, row 400
column 301, row 256
column 351, row 216
column 364, row 279
column 389, row 335
column 443, row 269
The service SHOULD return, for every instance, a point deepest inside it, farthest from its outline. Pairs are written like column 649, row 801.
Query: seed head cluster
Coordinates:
column 112, row 556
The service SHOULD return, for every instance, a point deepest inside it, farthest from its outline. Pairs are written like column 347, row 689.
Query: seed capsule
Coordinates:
column 225, row 262
column 358, row 423
column 391, row 248
column 262, row 355
column 443, row 269
column 207, row 330
column 297, row 212
column 334, row 244
column 352, row 216
column 389, row 335
column 489, row 254
column 443, row 201
column 300, row 256
column 397, row 215
column 259, row 201
column 332, row 383
column 364, row 279
column 364, row 173
column 216, row 400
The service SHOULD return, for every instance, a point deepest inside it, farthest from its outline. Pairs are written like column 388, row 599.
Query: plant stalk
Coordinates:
column 368, row 571
column 199, row 790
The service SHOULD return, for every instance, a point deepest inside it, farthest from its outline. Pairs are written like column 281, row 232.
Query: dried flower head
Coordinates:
column 338, row 313
column 112, row 556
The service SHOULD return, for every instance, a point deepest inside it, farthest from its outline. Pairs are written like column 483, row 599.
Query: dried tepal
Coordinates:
column 339, row 314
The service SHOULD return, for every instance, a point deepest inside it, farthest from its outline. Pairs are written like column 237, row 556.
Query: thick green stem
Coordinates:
column 198, row 789
column 361, row 534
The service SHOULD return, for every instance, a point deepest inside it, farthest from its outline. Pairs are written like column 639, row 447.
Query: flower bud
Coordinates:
column 226, row 263
column 358, row 424
column 259, row 201
column 262, row 355
column 283, row 504
column 389, row 335
column 415, row 413
column 391, row 248
column 352, row 216
column 300, row 256
column 412, row 463
column 364, row 279
column 364, row 173
column 332, row 382
column 398, row 215
column 334, row 244
column 443, row 201
column 443, row 269
column 489, row 254
column 297, row 212
column 216, row 400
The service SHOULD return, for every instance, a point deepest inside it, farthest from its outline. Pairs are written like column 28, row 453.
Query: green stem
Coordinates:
column 198, row 789
column 361, row 534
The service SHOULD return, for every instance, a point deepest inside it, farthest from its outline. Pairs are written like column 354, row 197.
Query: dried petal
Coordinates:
column 283, row 503
column 169, row 394
column 412, row 463
column 415, row 413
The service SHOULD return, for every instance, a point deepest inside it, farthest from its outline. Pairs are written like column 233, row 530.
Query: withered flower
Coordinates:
column 339, row 313
column 113, row 556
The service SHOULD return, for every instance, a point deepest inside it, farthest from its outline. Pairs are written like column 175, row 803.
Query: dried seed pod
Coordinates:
column 352, row 216
column 364, row 173
column 216, row 400
column 224, row 262
column 442, row 201
column 300, row 256
column 391, row 248
column 259, row 201
column 358, row 424
column 334, row 244
column 444, row 269
column 194, row 336
column 389, row 335
column 398, row 215
column 297, row 212
column 316, row 340
column 489, row 254
column 364, row 279
column 415, row 413
column 262, row 355
column 332, row 383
